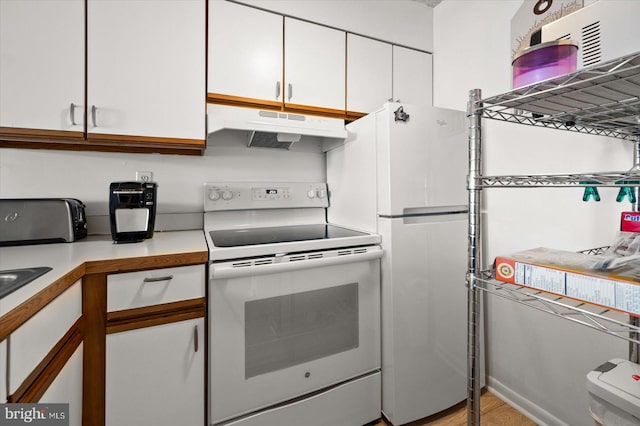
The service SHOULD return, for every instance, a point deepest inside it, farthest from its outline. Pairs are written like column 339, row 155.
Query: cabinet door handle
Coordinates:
column 93, row 115
column 72, row 113
column 156, row 279
column 290, row 91
column 195, row 339
column 277, row 90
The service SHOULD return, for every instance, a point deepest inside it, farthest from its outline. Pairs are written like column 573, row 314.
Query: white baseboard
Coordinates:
column 535, row 413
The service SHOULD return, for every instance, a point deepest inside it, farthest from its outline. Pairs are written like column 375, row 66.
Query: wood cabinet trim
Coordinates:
column 218, row 98
column 308, row 109
column 13, row 319
column 354, row 115
column 94, row 312
column 215, row 98
column 76, row 141
column 37, row 383
column 98, row 138
column 22, row 134
column 149, row 316
column 83, row 145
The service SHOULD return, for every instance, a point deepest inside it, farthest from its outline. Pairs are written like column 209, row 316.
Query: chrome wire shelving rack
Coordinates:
column 603, row 99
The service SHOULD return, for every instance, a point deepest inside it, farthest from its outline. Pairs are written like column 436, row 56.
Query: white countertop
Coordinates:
column 64, row 257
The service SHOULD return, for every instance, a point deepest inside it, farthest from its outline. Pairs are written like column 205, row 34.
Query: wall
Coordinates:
column 536, row 361
column 404, row 22
column 86, row 175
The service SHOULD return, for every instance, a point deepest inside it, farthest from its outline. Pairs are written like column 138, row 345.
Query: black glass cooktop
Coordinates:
column 279, row 234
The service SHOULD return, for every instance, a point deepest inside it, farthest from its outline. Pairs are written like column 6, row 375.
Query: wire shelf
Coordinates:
column 606, row 179
column 602, row 100
column 605, row 320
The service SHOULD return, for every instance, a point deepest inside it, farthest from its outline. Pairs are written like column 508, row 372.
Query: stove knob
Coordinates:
column 311, row 193
column 214, row 195
column 227, row 195
column 321, row 193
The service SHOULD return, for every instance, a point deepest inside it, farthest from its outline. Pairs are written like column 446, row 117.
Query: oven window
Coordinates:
column 287, row 330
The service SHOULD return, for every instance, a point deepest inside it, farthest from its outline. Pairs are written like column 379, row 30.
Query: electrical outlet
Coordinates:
column 144, row 176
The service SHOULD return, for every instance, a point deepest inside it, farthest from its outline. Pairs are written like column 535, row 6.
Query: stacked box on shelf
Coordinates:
column 573, row 275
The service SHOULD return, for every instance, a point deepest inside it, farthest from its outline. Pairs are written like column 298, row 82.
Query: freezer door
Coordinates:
column 422, row 162
column 423, row 315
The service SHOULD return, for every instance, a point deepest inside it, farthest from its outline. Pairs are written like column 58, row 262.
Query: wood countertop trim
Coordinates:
column 132, row 264
column 16, row 317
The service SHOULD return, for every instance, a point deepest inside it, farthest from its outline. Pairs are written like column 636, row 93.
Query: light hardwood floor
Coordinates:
column 493, row 412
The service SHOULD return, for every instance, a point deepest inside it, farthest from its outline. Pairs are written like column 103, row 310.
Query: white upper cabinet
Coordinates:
column 146, row 68
column 314, row 65
column 369, row 73
column 245, row 52
column 412, row 76
column 42, row 64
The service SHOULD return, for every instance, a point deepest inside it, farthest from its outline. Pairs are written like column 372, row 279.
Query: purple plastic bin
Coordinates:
column 544, row 61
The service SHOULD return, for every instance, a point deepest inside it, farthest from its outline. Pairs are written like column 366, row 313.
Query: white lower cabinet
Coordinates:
column 67, row 388
column 32, row 341
column 156, row 375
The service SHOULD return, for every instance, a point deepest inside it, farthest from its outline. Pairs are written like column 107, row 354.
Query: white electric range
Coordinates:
column 294, row 309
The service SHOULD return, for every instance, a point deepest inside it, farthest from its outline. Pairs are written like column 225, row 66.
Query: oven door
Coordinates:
column 283, row 329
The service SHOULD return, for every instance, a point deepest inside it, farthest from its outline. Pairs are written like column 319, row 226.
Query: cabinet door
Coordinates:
column 314, row 65
column 146, row 68
column 412, row 76
column 30, row 343
column 67, row 388
column 245, row 53
column 42, row 65
column 156, row 376
column 369, row 74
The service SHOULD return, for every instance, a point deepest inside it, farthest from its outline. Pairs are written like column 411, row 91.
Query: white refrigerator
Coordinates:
column 402, row 173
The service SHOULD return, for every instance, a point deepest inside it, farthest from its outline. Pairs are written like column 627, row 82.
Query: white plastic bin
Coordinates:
column 614, row 391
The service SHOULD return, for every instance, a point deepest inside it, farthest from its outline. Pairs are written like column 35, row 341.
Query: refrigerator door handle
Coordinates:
column 427, row 211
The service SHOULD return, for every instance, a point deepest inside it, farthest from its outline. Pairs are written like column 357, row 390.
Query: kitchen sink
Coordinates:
column 13, row 279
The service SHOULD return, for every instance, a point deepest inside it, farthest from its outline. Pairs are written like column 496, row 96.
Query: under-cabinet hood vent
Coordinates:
column 272, row 129
column 272, row 140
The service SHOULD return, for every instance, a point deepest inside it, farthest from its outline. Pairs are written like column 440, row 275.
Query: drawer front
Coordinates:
column 29, row 344
column 146, row 288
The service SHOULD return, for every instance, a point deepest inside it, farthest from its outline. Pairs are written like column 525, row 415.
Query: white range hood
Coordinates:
column 272, row 129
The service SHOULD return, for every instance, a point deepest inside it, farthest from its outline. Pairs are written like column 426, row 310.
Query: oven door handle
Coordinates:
column 228, row 270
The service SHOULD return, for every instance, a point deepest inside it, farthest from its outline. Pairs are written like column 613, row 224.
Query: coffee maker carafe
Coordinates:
column 132, row 210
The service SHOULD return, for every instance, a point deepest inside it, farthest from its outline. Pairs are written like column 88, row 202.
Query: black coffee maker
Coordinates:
column 132, row 210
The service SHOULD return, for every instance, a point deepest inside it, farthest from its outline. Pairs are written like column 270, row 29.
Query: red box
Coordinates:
column 630, row 221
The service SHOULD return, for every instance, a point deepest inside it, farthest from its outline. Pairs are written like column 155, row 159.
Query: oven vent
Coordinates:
column 247, row 263
column 345, row 252
column 360, row 251
column 316, row 256
column 298, row 257
column 242, row 264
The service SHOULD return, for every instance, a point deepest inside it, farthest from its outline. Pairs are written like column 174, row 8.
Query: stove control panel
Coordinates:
column 264, row 195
